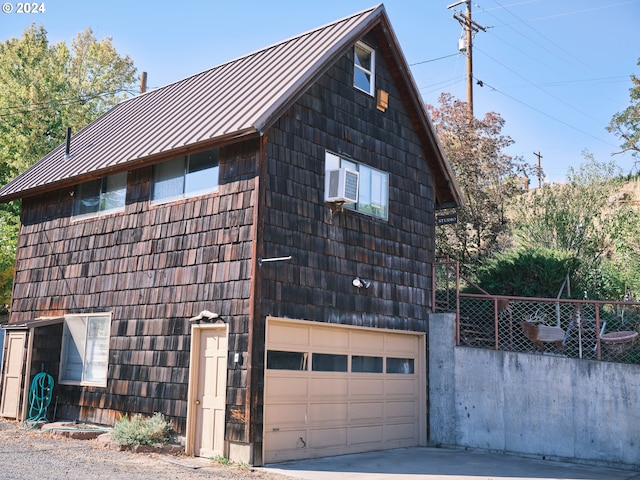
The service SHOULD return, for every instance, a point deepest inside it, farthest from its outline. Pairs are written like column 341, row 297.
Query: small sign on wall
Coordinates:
column 447, row 219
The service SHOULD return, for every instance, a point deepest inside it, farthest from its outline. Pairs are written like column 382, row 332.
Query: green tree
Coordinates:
column 487, row 176
column 44, row 89
column 528, row 272
column 583, row 219
column 626, row 124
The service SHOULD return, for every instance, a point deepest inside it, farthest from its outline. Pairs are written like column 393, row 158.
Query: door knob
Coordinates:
column 197, row 402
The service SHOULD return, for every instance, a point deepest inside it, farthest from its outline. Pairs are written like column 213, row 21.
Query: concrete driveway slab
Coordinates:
column 443, row 464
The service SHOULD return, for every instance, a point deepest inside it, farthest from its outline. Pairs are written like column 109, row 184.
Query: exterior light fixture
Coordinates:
column 206, row 316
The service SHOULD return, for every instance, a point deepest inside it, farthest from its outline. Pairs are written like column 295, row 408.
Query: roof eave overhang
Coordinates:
column 219, row 141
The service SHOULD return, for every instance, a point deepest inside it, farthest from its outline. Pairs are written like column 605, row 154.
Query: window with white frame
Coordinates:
column 106, row 194
column 187, row 176
column 85, row 349
column 364, row 63
column 373, row 190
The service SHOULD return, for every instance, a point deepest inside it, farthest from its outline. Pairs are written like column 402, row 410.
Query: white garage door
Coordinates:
column 333, row 389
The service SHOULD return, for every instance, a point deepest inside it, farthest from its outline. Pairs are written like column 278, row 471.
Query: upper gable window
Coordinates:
column 373, row 188
column 364, row 68
column 186, row 176
column 106, row 194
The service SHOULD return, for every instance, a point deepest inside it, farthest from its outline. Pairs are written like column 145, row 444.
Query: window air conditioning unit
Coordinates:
column 341, row 186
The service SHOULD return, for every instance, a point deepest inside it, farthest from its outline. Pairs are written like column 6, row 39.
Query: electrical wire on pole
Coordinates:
column 470, row 28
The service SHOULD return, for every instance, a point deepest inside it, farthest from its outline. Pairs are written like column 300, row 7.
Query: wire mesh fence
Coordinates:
column 586, row 329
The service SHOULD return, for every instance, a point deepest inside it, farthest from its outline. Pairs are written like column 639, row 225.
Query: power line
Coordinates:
column 576, row 12
column 577, row 62
column 443, row 84
column 52, row 104
column 559, row 99
column 548, row 115
column 434, row 59
column 538, row 35
column 618, row 79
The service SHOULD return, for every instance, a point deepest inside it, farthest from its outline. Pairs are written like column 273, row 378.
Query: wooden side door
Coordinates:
column 210, row 393
column 12, row 374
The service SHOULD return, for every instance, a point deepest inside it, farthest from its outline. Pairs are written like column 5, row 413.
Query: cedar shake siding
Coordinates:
column 153, row 267
column 329, row 251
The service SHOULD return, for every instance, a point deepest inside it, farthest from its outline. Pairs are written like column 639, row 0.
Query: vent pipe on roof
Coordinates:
column 67, row 150
column 143, row 82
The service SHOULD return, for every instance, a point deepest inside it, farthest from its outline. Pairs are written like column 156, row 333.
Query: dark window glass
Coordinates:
column 87, row 197
column 202, row 172
column 360, row 364
column 101, row 195
column 328, row 362
column 400, row 365
column 278, row 360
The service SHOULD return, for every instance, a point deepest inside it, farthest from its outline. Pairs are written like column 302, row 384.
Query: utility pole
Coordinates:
column 539, row 155
column 470, row 28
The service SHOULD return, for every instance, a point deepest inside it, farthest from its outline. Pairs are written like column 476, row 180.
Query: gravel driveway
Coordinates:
column 29, row 454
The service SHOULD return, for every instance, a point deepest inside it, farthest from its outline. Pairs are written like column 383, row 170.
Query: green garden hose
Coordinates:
column 39, row 398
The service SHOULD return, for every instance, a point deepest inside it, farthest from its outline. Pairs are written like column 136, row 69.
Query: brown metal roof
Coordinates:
column 236, row 99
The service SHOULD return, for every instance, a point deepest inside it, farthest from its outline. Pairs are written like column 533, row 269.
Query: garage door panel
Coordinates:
column 328, row 437
column 289, row 335
column 373, row 412
column 396, row 410
column 373, row 434
column 328, row 413
column 400, row 343
column 400, row 386
column 334, row 340
column 281, row 441
column 400, row 431
column 367, row 386
column 367, row 341
column 329, row 387
column 287, row 387
column 286, row 414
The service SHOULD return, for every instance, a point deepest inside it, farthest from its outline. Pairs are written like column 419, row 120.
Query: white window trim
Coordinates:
column 63, row 352
column 372, row 72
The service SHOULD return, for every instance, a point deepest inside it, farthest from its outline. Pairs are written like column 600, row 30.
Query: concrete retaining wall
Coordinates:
column 531, row 404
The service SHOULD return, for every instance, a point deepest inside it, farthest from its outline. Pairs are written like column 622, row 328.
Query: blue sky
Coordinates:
column 555, row 70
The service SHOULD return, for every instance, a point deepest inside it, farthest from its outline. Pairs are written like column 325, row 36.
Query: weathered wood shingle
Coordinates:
column 153, row 267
